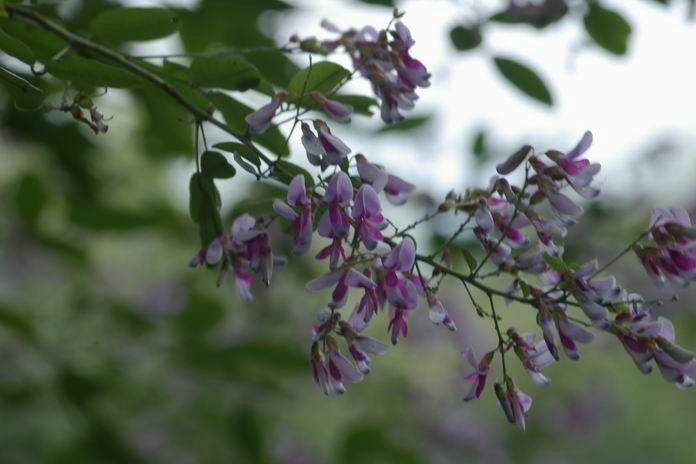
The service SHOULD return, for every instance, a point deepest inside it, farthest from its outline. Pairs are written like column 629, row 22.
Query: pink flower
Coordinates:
column 480, row 373
column 260, row 119
column 338, row 111
column 301, row 222
column 367, row 216
column 515, row 403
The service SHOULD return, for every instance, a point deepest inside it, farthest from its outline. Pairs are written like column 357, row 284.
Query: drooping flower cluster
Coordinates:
column 672, row 255
column 384, row 58
column 519, row 228
column 245, row 249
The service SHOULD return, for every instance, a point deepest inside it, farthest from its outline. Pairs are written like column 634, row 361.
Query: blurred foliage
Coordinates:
column 113, row 351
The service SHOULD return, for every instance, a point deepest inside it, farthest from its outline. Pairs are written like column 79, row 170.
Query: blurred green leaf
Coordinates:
column 201, row 314
column 465, row 38
column 369, row 443
column 284, row 171
column 322, row 77
column 247, row 433
column 524, row 78
column 479, row 146
column 470, row 260
column 536, row 14
column 91, row 72
column 17, row 324
column 31, row 197
column 409, row 124
column 134, row 24
column 555, row 262
column 18, row 81
column 16, row 48
column 214, row 164
column 245, row 157
column 43, row 44
column 224, row 72
column 607, row 28
column 234, row 113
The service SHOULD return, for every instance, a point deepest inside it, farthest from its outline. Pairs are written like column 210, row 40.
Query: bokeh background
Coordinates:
column 112, row 350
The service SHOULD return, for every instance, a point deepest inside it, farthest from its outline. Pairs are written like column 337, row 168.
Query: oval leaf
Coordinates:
column 465, row 38
column 134, row 24
column 215, row 165
column 322, row 77
column 524, row 79
column 607, row 28
column 16, row 48
column 224, row 72
column 284, row 171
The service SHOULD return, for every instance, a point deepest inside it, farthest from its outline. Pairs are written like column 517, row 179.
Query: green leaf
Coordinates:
column 31, row 197
column 479, row 146
column 244, row 156
column 134, row 24
column 241, row 150
column 16, row 48
column 43, row 44
column 470, row 260
column 284, row 171
column 224, row 72
column 555, row 262
column 214, row 164
column 607, row 28
column 524, row 78
column 408, row 124
column 91, row 72
column 202, row 190
column 234, row 113
column 465, row 38
column 204, row 207
column 17, row 81
column 322, row 77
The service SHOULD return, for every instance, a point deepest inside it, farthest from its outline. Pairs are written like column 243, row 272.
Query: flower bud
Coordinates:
column 514, row 160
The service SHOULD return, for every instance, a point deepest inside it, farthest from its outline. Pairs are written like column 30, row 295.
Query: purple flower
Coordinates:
column 438, row 314
column 371, row 173
column 368, row 218
column 480, row 373
column 579, row 172
column 361, row 346
column 342, row 279
column 260, row 119
column 334, row 149
column 340, row 112
column 534, row 357
column 570, row 333
column 301, row 227
column 673, row 255
column 397, row 189
column 515, row 403
column 402, row 256
column 335, row 223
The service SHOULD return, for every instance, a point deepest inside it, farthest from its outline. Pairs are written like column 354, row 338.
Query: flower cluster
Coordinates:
column 384, row 58
column 672, row 253
column 520, row 230
column 245, row 249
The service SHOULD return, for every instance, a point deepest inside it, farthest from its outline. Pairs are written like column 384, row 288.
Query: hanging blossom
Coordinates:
column 672, row 253
column 301, row 221
column 246, row 248
column 520, row 230
column 261, row 119
column 323, row 148
column 384, row 59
